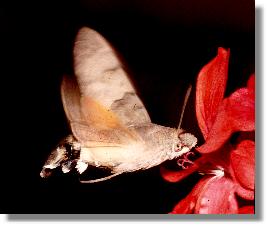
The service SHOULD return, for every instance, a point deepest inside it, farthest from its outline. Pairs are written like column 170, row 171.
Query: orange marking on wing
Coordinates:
column 98, row 115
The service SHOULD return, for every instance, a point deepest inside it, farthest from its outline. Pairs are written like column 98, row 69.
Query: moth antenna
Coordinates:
column 100, row 179
column 184, row 106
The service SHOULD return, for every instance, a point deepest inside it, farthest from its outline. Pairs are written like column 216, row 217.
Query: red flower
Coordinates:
column 228, row 169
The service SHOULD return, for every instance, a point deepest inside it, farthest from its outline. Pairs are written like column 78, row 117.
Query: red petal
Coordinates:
column 175, row 176
column 220, row 132
column 246, row 210
column 205, row 198
column 243, row 164
column 245, row 193
column 241, row 110
column 211, row 201
column 251, row 83
column 210, row 88
column 187, row 205
column 236, row 113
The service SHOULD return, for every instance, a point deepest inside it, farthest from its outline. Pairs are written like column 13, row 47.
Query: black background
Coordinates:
column 165, row 44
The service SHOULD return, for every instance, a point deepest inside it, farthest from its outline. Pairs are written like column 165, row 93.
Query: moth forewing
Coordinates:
column 102, row 78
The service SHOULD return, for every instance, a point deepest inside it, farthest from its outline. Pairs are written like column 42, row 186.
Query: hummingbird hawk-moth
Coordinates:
column 110, row 125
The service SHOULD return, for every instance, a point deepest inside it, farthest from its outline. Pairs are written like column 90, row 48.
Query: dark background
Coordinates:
column 165, row 44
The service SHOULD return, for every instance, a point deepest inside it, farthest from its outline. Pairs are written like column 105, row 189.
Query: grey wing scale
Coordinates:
column 131, row 110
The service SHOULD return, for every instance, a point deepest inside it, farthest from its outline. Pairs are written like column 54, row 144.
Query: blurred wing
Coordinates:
column 90, row 122
column 70, row 95
column 104, row 85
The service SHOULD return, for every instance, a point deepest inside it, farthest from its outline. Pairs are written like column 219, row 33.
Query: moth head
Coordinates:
column 187, row 140
column 184, row 143
column 63, row 156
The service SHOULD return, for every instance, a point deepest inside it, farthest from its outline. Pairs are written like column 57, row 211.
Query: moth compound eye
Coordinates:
column 179, row 146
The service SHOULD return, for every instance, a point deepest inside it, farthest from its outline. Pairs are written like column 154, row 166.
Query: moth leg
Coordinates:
column 100, row 179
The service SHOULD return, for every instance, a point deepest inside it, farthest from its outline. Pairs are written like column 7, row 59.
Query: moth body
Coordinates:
column 162, row 143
